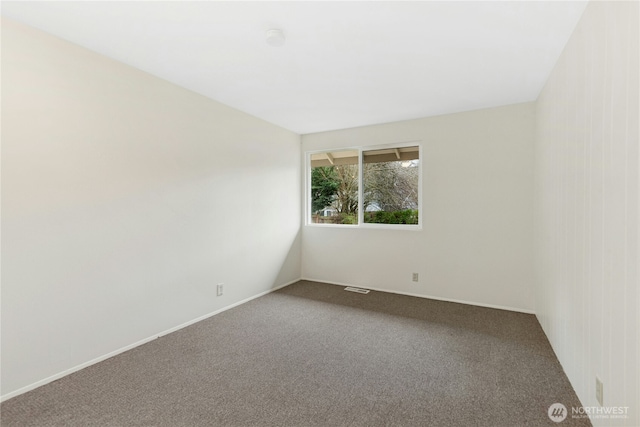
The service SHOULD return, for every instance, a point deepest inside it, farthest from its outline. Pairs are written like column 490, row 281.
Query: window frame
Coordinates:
column 361, row 224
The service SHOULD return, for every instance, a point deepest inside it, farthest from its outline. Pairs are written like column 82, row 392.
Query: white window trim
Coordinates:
column 361, row 224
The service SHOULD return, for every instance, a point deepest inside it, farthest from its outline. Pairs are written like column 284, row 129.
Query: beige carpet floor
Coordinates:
column 312, row 354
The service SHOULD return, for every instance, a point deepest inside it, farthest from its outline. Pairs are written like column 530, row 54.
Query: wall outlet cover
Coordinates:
column 599, row 396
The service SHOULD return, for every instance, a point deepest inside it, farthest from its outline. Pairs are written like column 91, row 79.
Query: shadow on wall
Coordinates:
column 291, row 262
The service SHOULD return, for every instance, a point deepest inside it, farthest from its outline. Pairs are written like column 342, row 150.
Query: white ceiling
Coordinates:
column 344, row 64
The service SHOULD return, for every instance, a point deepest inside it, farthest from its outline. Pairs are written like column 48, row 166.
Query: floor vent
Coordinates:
column 358, row 290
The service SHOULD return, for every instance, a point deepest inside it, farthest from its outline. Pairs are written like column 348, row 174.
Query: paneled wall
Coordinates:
column 586, row 208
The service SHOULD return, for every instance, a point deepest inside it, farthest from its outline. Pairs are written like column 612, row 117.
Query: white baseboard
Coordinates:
column 478, row 304
column 206, row 316
column 77, row 368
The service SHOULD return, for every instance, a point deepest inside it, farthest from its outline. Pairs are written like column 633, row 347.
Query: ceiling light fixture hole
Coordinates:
column 275, row 37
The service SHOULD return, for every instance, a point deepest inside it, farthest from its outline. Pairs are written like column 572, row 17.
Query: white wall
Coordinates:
column 125, row 200
column 476, row 242
column 586, row 203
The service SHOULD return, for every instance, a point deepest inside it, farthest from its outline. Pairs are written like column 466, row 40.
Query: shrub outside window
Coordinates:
column 368, row 186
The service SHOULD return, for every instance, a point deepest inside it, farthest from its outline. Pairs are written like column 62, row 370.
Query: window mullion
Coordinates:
column 360, row 188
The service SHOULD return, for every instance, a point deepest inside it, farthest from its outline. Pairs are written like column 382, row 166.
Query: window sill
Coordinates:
column 369, row 226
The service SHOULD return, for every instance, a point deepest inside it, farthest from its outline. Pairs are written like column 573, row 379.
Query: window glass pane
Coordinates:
column 390, row 185
column 334, row 187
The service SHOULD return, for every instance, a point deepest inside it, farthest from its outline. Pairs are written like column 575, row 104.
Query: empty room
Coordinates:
column 370, row 213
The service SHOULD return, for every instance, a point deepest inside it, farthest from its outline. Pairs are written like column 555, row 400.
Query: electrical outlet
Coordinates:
column 599, row 391
column 415, row 277
column 220, row 289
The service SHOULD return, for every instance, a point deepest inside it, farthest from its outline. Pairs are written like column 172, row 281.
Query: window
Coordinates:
column 391, row 185
column 365, row 186
column 334, row 187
